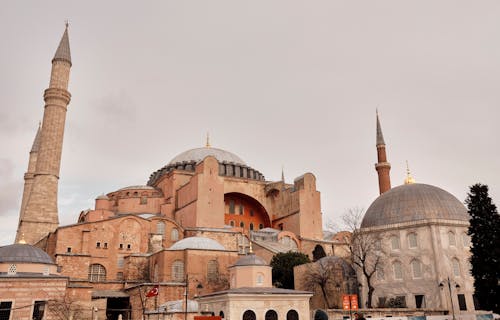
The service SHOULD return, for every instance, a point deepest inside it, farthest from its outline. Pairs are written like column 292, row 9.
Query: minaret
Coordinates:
column 382, row 166
column 39, row 214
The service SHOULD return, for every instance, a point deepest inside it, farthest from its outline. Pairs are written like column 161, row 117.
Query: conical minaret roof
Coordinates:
column 36, row 143
column 380, row 136
column 63, row 53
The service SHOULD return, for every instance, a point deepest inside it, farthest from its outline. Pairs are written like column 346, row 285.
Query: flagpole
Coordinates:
column 156, row 301
column 186, row 298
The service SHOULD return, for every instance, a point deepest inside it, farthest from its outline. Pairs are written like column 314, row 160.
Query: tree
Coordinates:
column 484, row 230
column 366, row 255
column 282, row 264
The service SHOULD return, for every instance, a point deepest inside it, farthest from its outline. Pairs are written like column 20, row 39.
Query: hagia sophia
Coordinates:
column 202, row 232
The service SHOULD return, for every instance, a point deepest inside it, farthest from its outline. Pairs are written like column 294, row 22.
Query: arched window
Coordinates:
column 160, row 228
column 97, row 273
column 451, row 239
column 155, row 273
column 416, row 268
column 251, row 226
column 231, row 223
column 249, row 315
column 289, row 243
column 465, row 240
column 380, row 273
column 271, row 315
column 12, row 269
column 412, row 240
column 318, row 252
column 260, row 279
column 395, row 245
column 242, row 224
column 398, row 270
column 178, row 271
column 292, row 315
column 456, row 267
column 212, row 270
column 174, row 235
column 261, row 226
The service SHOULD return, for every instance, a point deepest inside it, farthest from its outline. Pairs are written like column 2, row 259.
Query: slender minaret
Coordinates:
column 39, row 214
column 382, row 166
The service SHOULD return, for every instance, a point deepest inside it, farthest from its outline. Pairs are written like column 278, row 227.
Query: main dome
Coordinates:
column 413, row 202
column 198, row 154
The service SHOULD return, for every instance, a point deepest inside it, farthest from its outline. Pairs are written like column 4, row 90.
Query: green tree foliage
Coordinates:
column 484, row 230
column 282, row 264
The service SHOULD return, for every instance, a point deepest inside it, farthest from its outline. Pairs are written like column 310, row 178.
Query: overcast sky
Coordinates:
column 279, row 83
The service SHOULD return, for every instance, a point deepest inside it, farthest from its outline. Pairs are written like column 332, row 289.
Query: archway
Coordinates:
column 249, row 315
column 271, row 315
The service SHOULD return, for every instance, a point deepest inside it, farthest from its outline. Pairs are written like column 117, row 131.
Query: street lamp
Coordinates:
column 441, row 285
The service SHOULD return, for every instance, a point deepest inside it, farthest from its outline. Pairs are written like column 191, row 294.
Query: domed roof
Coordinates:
column 197, row 243
column 413, row 202
column 198, row 154
column 23, row 253
column 251, row 260
column 139, row 187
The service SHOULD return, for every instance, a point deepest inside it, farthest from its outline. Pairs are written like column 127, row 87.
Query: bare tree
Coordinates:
column 365, row 249
column 321, row 274
column 64, row 309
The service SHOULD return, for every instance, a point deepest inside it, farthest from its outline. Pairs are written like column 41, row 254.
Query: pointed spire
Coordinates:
column 63, row 53
column 283, row 173
column 207, row 144
column 409, row 179
column 36, row 143
column 380, row 136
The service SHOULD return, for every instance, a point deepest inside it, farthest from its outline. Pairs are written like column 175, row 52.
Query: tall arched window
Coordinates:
column 456, row 267
column 292, row 315
column 412, row 240
column 97, row 273
column 260, row 279
column 398, row 270
column 249, row 315
column 160, row 228
column 155, row 273
column 178, row 271
column 174, row 235
column 395, row 245
column 465, row 240
column 271, row 315
column 212, row 270
column 451, row 239
column 416, row 268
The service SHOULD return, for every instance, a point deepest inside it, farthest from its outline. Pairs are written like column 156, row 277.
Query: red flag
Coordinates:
column 153, row 292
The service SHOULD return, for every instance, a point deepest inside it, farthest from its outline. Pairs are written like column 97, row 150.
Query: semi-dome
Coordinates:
column 23, row 253
column 201, row 243
column 250, row 260
column 413, row 202
column 198, row 154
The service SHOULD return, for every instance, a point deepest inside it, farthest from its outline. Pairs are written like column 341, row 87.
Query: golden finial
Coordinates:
column 409, row 179
column 250, row 249
column 22, row 241
column 208, row 141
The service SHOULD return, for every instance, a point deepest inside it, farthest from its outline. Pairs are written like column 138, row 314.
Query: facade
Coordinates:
column 181, row 231
column 421, row 231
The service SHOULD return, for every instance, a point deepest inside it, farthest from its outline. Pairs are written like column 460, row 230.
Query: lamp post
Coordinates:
column 448, row 281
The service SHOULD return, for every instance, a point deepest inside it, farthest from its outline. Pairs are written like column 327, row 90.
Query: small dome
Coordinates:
column 23, row 253
column 140, row 187
column 197, row 243
column 413, row 202
column 251, row 260
column 102, row 197
column 198, row 154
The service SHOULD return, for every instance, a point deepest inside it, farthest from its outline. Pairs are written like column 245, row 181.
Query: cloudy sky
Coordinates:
column 279, row 83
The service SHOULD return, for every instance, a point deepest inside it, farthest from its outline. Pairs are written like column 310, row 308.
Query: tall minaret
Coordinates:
column 39, row 214
column 382, row 166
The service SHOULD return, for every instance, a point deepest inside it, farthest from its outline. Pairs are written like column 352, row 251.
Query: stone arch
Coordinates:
column 318, row 252
column 97, row 273
column 271, row 315
column 320, row 315
column 248, row 315
column 240, row 207
column 292, row 315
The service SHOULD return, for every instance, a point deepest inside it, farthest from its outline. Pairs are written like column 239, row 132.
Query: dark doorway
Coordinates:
column 318, row 253
column 461, row 302
column 271, row 315
column 292, row 315
column 249, row 315
column 117, row 306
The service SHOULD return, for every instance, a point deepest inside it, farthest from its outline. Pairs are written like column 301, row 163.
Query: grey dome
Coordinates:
column 23, row 253
column 251, row 260
column 197, row 243
column 199, row 154
column 413, row 202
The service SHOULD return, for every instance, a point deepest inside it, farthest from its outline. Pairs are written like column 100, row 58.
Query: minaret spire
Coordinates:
column 409, row 179
column 39, row 214
column 382, row 166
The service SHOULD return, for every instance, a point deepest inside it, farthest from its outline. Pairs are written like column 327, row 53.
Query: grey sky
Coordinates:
column 291, row 83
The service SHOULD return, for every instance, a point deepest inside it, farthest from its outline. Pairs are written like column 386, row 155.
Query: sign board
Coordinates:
column 346, row 304
column 350, row 301
column 354, row 301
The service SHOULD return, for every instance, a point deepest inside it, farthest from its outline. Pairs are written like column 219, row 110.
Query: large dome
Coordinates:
column 23, row 253
column 198, row 154
column 413, row 202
